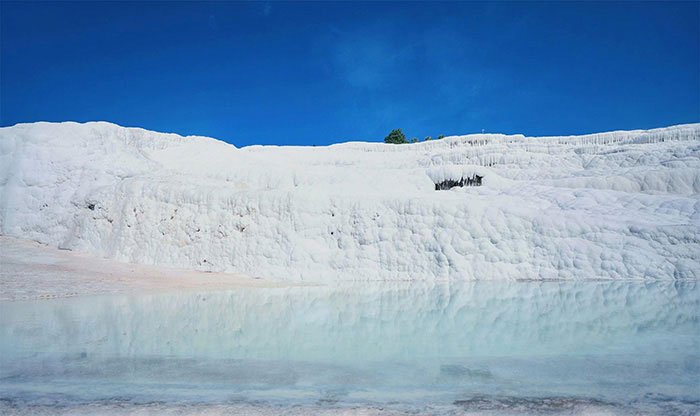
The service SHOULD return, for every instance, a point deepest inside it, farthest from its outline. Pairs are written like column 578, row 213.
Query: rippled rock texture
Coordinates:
column 614, row 205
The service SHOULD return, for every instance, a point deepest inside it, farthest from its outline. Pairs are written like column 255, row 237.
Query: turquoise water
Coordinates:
column 453, row 348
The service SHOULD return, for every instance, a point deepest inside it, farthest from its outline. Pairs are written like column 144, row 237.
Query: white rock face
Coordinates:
column 611, row 205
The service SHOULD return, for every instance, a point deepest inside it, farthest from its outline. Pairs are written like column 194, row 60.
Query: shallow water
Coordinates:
column 452, row 348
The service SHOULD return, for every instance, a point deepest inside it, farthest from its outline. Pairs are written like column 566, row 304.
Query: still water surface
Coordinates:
column 452, row 348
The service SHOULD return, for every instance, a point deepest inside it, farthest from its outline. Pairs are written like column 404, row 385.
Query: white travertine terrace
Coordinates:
column 602, row 206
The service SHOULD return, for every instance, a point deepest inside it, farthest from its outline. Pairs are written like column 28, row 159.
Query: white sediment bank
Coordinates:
column 30, row 271
column 612, row 205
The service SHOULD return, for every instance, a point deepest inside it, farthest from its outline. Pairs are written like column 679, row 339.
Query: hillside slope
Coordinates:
column 610, row 205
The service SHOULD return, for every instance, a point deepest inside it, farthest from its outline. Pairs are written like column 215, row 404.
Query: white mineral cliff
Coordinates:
column 610, row 205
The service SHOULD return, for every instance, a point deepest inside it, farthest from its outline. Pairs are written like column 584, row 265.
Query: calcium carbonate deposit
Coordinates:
column 487, row 206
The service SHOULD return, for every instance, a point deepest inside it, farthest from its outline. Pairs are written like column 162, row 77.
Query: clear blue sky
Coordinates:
column 317, row 73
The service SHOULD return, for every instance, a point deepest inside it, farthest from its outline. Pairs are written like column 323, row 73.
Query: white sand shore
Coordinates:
column 29, row 270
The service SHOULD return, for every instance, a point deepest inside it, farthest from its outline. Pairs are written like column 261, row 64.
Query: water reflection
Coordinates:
column 447, row 343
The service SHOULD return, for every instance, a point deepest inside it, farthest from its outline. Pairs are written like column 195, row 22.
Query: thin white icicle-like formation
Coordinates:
column 609, row 205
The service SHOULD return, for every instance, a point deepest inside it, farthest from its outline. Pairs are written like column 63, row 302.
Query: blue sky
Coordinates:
column 318, row 73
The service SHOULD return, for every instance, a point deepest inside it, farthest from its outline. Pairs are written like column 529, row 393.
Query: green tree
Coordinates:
column 442, row 136
column 395, row 137
column 414, row 140
column 427, row 138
